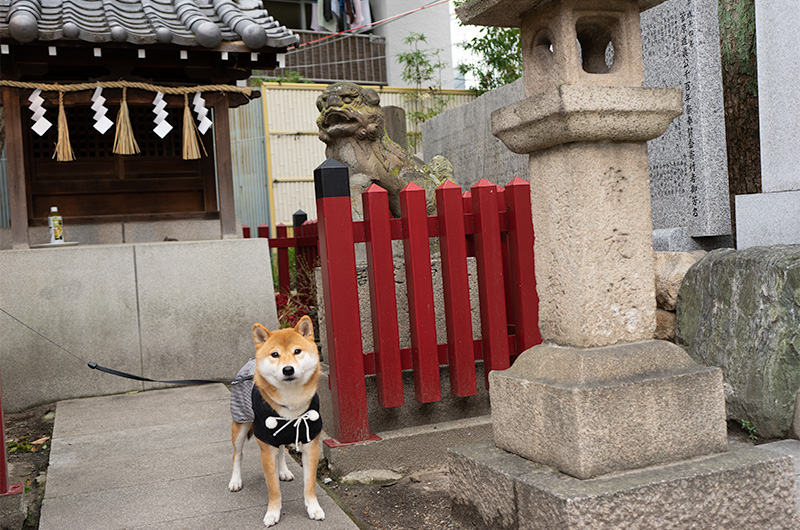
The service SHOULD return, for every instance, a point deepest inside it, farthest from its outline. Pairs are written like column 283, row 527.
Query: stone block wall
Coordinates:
column 172, row 310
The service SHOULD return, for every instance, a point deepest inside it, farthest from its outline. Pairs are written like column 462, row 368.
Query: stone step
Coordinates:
column 409, row 449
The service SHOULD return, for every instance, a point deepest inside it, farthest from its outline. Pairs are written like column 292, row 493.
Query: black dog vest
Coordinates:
column 271, row 428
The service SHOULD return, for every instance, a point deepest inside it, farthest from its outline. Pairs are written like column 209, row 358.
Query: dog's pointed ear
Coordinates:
column 260, row 335
column 305, row 327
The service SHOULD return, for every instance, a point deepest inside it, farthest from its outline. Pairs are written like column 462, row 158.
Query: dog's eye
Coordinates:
column 275, row 355
column 298, row 351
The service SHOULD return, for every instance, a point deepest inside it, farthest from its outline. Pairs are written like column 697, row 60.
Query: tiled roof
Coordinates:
column 185, row 23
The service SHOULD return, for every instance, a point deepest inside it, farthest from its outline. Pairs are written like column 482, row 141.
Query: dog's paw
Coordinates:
column 315, row 511
column 235, row 484
column 272, row 517
column 286, row 475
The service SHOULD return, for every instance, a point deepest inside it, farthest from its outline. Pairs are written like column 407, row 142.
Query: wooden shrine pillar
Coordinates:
column 222, row 135
column 15, row 167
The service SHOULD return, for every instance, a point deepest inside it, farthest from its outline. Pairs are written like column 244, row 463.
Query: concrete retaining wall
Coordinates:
column 171, row 310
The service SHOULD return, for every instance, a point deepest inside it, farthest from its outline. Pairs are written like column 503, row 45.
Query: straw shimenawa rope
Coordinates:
column 191, row 136
column 124, row 142
column 77, row 87
column 63, row 152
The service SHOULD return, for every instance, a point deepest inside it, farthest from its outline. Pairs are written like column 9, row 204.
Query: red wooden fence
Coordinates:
column 490, row 223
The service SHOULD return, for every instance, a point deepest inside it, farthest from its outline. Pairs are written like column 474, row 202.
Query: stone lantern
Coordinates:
column 599, row 396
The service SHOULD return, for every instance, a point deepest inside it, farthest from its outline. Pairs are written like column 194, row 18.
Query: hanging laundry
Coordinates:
column 315, row 18
column 327, row 9
column 366, row 16
column 359, row 17
column 319, row 20
column 350, row 10
column 337, row 8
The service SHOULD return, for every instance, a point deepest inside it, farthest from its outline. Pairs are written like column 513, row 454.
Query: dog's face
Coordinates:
column 287, row 356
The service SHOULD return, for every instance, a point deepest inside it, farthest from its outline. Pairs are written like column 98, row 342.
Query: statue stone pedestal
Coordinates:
column 600, row 417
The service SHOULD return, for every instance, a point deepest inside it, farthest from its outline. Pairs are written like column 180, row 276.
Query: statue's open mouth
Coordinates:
column 336, row 119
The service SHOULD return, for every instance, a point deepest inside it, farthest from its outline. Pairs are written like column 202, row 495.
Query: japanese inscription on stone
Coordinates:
column 688, row 164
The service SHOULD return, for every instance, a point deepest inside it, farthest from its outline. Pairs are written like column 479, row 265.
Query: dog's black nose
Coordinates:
column 288, row 370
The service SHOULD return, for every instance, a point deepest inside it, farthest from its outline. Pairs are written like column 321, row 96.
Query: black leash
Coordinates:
column 95, row 366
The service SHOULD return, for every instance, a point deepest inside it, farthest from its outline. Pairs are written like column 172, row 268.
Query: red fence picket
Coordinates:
column 419, row 289
column 304, row 241
column 340, row 292
column 522, row 281
column 5, row 487
column 281, row 231
column 455, row 284
column 491, row 283
column 380, row 267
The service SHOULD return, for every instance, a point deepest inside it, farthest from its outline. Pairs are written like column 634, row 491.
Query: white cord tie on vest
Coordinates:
column 309, row 415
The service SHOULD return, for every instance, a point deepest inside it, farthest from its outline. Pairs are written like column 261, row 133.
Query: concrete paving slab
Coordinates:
column 141, row 410
column 161, row 475
column 145, row 440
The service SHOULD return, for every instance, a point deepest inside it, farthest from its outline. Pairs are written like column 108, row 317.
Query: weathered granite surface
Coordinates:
column 671, row 267
column 589, row 412
column 594, row 249
column 742, row 488
column 779, row 131
column 740, row 310
column 778, row 78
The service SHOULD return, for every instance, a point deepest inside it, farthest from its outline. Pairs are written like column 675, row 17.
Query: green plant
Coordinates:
column 302, row 298
column 499, row 57
column 26, row 446
column 747, row 426
column 422, row 69
column 288, row 76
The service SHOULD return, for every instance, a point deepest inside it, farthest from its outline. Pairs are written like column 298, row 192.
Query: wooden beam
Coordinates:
column 15, row 168
column 222, row 134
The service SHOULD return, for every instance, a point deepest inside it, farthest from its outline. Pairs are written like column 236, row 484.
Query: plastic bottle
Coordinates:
column 55, row 224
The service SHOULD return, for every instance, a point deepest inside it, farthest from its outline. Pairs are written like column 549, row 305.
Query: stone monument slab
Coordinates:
column 779, row 131
column 688, row 163
column 778, row 79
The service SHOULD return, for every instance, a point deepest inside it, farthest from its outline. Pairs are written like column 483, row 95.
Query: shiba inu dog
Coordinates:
column 280, row 406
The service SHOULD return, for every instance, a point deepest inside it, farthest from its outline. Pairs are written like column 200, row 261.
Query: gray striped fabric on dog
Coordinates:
column 241, row 395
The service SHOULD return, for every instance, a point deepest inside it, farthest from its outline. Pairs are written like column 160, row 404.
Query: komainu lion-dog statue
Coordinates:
column 351, row 125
